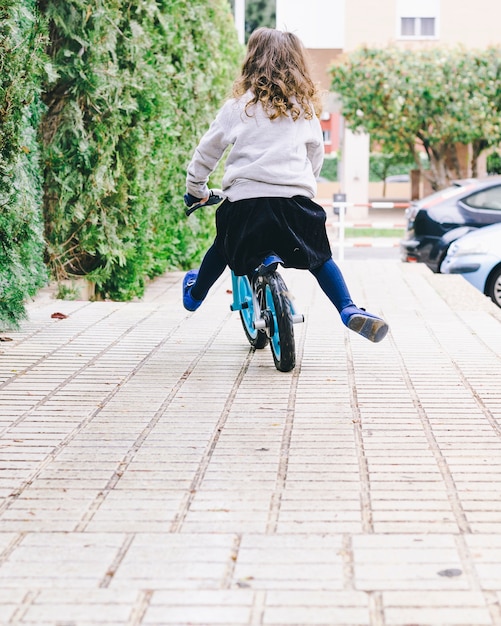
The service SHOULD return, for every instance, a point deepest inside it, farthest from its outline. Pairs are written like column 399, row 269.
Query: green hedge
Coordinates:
column 22, row 271
column 101, row 105
column 380, row 166
column 136, row 83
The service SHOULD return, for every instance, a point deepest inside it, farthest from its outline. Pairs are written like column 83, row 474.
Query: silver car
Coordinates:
column 477, row 256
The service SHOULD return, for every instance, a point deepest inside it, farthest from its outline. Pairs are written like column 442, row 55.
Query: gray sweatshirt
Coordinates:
column 269, row 158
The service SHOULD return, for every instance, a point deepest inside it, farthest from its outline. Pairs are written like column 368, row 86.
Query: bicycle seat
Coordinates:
column 269, row 264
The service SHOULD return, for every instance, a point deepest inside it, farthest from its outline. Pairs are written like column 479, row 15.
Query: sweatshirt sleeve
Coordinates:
column 207, row 155
column 315, row 149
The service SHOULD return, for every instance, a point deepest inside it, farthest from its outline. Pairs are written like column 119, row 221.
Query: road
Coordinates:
column 371, row 252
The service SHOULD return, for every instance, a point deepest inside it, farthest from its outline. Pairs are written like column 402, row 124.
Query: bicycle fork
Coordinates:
column 261, row 321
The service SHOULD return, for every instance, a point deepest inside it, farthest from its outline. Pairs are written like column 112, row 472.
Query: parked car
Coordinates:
column 434, row 222
column 477, row 256
column 398, row 178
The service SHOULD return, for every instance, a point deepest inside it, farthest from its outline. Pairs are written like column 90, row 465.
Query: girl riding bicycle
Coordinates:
column 272, row 126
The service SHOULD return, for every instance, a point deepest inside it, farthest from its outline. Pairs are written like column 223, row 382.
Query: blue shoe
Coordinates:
column 359, row 321
column 189, row 280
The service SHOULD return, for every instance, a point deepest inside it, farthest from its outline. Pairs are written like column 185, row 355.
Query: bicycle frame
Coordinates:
column 258, row 320
column 266, row 312
column 263, row 301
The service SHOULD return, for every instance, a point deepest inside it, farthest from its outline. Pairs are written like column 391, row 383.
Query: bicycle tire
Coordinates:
column 258, row 339
column 282, row 341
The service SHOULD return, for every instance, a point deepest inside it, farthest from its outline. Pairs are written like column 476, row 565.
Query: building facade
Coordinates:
column 330, row 27
column 348, row 24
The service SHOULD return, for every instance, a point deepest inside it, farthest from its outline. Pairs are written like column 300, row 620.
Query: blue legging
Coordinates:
column 331, row 281
column 213, row 265
column 328, row 275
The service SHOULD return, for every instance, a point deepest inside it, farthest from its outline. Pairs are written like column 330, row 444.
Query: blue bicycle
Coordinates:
column 265, row 306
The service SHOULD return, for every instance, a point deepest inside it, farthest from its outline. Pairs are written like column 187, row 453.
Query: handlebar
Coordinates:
column 215, row 197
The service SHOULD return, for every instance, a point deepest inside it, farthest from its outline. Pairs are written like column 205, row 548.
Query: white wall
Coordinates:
column 354, row 174
column 318, row 23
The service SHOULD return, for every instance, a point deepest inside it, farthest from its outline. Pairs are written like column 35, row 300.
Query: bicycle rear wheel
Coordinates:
column 281, row 329
column 258, row 339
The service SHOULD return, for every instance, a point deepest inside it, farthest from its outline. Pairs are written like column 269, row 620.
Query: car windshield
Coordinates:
column 485, row 199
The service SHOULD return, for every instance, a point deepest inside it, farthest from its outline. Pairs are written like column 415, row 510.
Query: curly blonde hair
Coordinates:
column 275, row 70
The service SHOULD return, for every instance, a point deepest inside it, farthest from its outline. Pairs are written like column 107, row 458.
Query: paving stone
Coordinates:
column 153, row 470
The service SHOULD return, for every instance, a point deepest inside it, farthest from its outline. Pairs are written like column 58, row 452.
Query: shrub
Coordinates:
column 135, row 85
column 494, row 163
column 380, row 166
column 330, row 168
column 22, row 271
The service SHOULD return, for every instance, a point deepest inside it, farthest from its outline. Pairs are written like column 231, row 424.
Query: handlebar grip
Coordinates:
column 214, row 198
column 190, row 200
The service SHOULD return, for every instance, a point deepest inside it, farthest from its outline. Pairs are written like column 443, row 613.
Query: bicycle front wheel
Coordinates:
column 281, row 329
column 257, row 338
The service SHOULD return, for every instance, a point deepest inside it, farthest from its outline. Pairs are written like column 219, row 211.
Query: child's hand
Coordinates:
column 215, row 197
column 190, row 200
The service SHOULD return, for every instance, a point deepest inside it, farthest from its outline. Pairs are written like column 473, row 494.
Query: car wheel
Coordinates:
column 494, row 286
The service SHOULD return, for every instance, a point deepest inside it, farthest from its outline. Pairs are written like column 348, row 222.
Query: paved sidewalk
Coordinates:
column 155, row 471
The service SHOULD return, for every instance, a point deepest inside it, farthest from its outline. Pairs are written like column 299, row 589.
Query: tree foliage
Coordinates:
column 133, row 86
column 259, row 13
column 494, row 163
column 22, row 271
column 432, row 99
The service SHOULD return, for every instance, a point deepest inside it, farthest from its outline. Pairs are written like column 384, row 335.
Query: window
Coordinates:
column 417, row 27
column 327, row 136
column 417, row 19
column 408, row 27
column 486, row 199
column 427, row 27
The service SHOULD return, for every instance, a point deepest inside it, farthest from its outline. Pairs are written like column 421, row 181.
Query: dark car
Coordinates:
column 434, row 222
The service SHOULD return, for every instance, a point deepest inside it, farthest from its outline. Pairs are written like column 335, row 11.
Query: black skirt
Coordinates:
column 294, row 228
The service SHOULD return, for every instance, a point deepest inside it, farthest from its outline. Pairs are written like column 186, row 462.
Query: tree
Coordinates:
column 433, row 100
column 382, row 165
column 259, row 13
